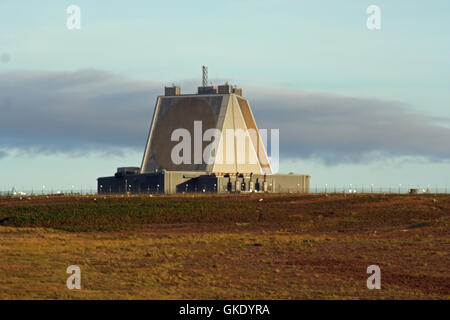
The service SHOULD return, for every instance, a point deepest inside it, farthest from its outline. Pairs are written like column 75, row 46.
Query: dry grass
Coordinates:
column 289, row 247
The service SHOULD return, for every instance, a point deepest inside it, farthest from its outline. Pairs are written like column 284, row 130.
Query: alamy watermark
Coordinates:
column 374, row 281
column 374, row 18
column 232, row 146
column 74, row 20
column 74, row 280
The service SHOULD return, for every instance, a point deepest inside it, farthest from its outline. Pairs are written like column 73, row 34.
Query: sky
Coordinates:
column 353, row 105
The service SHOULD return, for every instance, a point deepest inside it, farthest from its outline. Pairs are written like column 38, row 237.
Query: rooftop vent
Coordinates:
column 172, row 91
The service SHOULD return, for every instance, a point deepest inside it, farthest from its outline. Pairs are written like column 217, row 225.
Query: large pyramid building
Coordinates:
column 204, row 142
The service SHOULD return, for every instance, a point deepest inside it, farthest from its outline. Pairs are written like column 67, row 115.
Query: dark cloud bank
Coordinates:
column 79, row 112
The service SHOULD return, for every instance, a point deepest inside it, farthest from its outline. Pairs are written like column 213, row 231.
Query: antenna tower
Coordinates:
column 205, row 76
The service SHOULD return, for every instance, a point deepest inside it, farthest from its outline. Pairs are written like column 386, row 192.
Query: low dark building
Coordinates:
column 202, row 182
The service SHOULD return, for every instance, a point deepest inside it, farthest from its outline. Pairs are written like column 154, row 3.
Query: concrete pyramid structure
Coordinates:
column 236, row 147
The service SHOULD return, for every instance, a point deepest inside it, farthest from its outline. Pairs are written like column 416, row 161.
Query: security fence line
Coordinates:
column 314, row 189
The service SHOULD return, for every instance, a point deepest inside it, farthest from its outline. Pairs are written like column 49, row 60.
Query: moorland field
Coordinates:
column 247, row 246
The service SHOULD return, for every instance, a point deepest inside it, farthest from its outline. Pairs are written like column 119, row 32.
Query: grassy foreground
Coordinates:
column 225, row 247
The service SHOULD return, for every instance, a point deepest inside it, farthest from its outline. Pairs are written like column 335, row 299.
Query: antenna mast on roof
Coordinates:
column 205, row 76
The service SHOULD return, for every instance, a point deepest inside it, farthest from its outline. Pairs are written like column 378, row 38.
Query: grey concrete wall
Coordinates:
column 175, row 112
